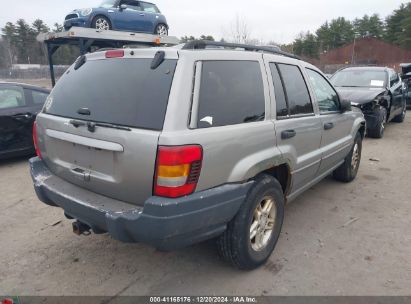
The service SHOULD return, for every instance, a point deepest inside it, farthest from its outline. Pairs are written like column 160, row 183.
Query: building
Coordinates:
column 364, row 51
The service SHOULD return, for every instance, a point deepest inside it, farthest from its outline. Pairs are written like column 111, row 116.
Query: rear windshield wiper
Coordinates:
column 91, row 126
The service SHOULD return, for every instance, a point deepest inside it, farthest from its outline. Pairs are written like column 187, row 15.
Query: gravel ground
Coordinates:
column 337, row 239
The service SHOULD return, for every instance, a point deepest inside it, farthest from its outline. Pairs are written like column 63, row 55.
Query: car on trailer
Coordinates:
column 120, row 15
column 377, row 91
column 19, row 105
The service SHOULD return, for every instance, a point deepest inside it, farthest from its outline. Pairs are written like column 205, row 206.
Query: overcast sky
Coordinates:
column 269, row 20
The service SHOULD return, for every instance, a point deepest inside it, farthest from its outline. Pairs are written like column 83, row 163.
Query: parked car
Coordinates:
column 377, row 91
column 19, row 104
column 406, row 76
column 120, row 15
column 178, row 164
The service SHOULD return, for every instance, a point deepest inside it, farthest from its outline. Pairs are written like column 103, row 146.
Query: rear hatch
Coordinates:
column 100, row 126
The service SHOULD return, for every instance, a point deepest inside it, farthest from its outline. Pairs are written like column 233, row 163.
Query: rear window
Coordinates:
column 119, row 91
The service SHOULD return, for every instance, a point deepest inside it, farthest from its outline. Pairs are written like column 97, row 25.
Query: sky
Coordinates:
column 267, row 20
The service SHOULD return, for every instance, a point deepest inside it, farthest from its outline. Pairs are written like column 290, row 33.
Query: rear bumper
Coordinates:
column 164, row 223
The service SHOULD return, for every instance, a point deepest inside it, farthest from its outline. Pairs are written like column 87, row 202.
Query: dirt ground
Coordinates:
column 337, row 239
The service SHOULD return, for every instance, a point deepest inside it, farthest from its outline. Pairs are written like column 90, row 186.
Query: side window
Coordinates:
column 132, row 4
column 394, row 78
column 11, row 97
column 327, row 98
column 39, row 97
column 231, row 92
column 282, row 108
column 149, row 7
column 298, row 98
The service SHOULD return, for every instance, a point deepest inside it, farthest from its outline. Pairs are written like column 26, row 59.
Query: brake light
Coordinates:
column 35, row 140
column 177, row 170
column 115, row 54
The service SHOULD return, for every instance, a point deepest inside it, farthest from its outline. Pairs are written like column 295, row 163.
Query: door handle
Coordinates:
column 23, row 115
column 287, row 134
column 141, row 14
column 328, row 126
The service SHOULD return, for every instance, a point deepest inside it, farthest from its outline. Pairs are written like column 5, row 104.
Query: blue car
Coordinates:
column 120, row 15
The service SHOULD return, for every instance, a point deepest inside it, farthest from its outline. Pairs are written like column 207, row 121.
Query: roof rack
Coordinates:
column 86, row 38
column 204, row 44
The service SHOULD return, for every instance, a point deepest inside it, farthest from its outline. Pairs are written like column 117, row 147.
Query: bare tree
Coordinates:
column 239, row 31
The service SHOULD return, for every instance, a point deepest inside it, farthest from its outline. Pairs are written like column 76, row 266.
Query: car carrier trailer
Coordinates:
column 87, row 39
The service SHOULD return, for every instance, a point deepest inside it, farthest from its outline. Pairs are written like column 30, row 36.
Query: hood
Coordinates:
column 359, row 95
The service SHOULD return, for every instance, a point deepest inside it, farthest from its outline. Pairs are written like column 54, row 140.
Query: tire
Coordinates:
column 400, row 118
column 378, row 131
column 101, row 23
column 348, row 170
column 236, row 245
column 161, row 30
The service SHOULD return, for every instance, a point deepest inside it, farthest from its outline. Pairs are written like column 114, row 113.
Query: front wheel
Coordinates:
column 161, row 30
column 400, row 118
column 101, row 23
column 251, row 236
column 349, row 169
column 378, row 130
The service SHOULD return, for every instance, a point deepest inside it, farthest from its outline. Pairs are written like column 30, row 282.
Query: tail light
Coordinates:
column 36, row 146
column 177, row 170
column 115, row 54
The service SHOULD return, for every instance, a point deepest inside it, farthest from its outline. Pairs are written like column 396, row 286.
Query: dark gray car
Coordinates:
column 178, row 146
column 19, row 105
column 377, row 91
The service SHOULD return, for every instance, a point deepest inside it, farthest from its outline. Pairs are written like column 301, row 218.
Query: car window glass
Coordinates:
column 327, row 98
column 39, row 97
column 134, row 5
column 231, row 92
column 11, row 97
column 296, row 89
column 149, row 7
column 282, row 109
column 394, row 79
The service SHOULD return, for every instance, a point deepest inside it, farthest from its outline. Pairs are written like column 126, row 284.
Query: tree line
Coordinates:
column 395, row 29
column 19, row 45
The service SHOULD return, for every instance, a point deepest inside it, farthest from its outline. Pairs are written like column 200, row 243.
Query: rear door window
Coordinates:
column 119, row 91
column 231, row 92
column 298, row 97
column 281, row 103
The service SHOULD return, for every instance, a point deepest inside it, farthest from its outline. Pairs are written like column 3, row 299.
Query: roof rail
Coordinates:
column 203, row 44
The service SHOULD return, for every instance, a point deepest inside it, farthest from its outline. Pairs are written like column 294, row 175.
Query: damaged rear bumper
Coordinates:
column 164, row 223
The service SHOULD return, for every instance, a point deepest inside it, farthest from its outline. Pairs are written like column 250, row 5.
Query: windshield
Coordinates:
column 107, row 3
column 124, row 92
column 360, row 78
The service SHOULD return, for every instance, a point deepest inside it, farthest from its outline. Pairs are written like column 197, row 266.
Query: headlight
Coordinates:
column 85, row 12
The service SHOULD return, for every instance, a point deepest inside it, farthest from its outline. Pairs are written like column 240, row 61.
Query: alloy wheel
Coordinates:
column 263, row 223
column 162, row 30
column 102, row 24
column 355, row 157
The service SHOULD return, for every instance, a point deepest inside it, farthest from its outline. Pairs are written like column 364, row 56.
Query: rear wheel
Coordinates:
column 349, row 169
column 251, row 236
column 101, row 23
column 161, row 30
column 378, row 130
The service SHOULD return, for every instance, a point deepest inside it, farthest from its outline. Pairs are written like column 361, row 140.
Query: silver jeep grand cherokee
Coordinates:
column 174, row 146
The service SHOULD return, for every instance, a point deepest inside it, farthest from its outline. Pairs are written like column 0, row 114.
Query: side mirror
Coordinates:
column 345, row 106
column 123, row 7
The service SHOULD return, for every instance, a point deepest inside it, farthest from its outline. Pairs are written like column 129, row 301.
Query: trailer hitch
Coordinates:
column 80, row 228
